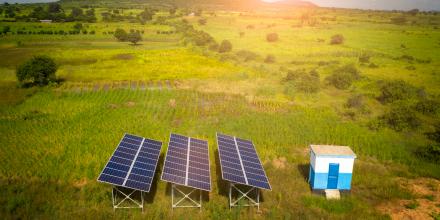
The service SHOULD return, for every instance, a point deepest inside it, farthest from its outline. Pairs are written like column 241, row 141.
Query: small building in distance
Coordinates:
column 46, row 21
column 331, row 167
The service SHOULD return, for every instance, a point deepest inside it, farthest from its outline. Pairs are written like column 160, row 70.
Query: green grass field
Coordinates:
column 55, row 140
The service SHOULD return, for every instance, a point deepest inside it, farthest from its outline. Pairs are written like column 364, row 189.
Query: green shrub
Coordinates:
column 397, row 90
column 272, row 37
column 355, row 101
column 337, row 39
column 428, row 106
column 302, row 81
column 401, row 117
column 435, row 135
column 134, row 37
column 246, row 55
column 343, row 77
column 225, row 46
column 430, row 153
column 39, row 70
column 120, row 34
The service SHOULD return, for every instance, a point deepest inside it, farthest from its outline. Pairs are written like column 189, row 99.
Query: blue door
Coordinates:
column 333, row 173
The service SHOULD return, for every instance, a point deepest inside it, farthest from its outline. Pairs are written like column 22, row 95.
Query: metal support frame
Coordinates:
column 186, row 197
column 119, row 204
column 244, row 195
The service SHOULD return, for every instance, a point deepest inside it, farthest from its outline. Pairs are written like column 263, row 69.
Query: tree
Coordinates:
column 272, row 37
column 337, row 39
column 225, row 46
column 54, row 8
column 120, row 34
column 6, row 29
column 76, row 12
column 146, row 15
column 78, row 26
column 39, row 70
column 134, row 37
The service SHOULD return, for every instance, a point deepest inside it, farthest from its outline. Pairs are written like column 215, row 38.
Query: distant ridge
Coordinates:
column 202, row 3
column 293, row 3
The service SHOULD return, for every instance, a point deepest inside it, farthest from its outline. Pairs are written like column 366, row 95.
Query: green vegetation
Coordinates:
column 284, row 78
column 39, row 70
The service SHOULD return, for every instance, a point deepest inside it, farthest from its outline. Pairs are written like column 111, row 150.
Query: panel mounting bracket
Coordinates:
column 193, row 203
column 251, row 195
column 124, row 198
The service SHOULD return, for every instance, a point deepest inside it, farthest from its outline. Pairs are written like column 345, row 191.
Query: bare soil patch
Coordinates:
column 427, row 193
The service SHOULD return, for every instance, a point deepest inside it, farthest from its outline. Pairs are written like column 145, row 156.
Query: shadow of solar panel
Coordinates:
column 240, row 163
column 187, row 162
column 133, row 163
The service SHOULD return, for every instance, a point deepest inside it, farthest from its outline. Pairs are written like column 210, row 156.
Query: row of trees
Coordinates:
column 55, row 12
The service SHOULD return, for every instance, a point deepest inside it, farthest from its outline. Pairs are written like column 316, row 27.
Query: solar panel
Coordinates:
column 240, row 163
column 133, row 163
column 187, row 162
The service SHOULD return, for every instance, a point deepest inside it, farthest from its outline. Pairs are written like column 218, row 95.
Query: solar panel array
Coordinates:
column 187, row 162
column 133, row 164
column 240, row 163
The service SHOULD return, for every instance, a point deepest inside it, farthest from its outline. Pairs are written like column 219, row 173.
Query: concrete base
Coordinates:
column 332, row 194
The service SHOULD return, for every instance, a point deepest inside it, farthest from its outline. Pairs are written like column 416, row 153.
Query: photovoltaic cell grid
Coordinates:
column 187, row 162
column 133, row 163
column 240, row 163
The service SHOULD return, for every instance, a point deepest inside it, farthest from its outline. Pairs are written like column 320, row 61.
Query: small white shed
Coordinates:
column 331, row 167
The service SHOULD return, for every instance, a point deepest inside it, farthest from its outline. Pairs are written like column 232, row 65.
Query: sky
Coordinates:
column 426, row 5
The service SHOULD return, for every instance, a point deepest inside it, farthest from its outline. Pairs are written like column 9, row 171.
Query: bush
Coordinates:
column 225, row 46
column 134, row 37
column 39, row 70
column 120, row 34
column 78, row 26
column 302, row 81
column 401, row 117
column 435, row 136
column 272, row 37
column 343, row 77
column 428, row 106
column 396, row 90
column 430, row 153
column 337, row 39
column 247, row 55
column 355, row 101
column 270, row 59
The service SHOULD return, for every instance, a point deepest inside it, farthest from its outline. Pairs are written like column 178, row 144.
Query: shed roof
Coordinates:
column 331, row 150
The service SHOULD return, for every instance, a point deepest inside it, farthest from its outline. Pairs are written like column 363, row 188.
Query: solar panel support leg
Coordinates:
column 186, row 197
column 119, row 204
column 244, row 195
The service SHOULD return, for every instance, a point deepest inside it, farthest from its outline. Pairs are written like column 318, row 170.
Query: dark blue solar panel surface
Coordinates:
column 187, row 162
column 133, row 163
column 240, row 163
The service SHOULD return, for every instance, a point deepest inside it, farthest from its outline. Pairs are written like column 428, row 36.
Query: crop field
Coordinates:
column 56, row 139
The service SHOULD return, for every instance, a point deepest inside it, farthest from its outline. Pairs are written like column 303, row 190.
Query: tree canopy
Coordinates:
column 39, row 70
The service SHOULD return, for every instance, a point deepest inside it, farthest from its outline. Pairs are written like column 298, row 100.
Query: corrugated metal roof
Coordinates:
column 332, row 150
